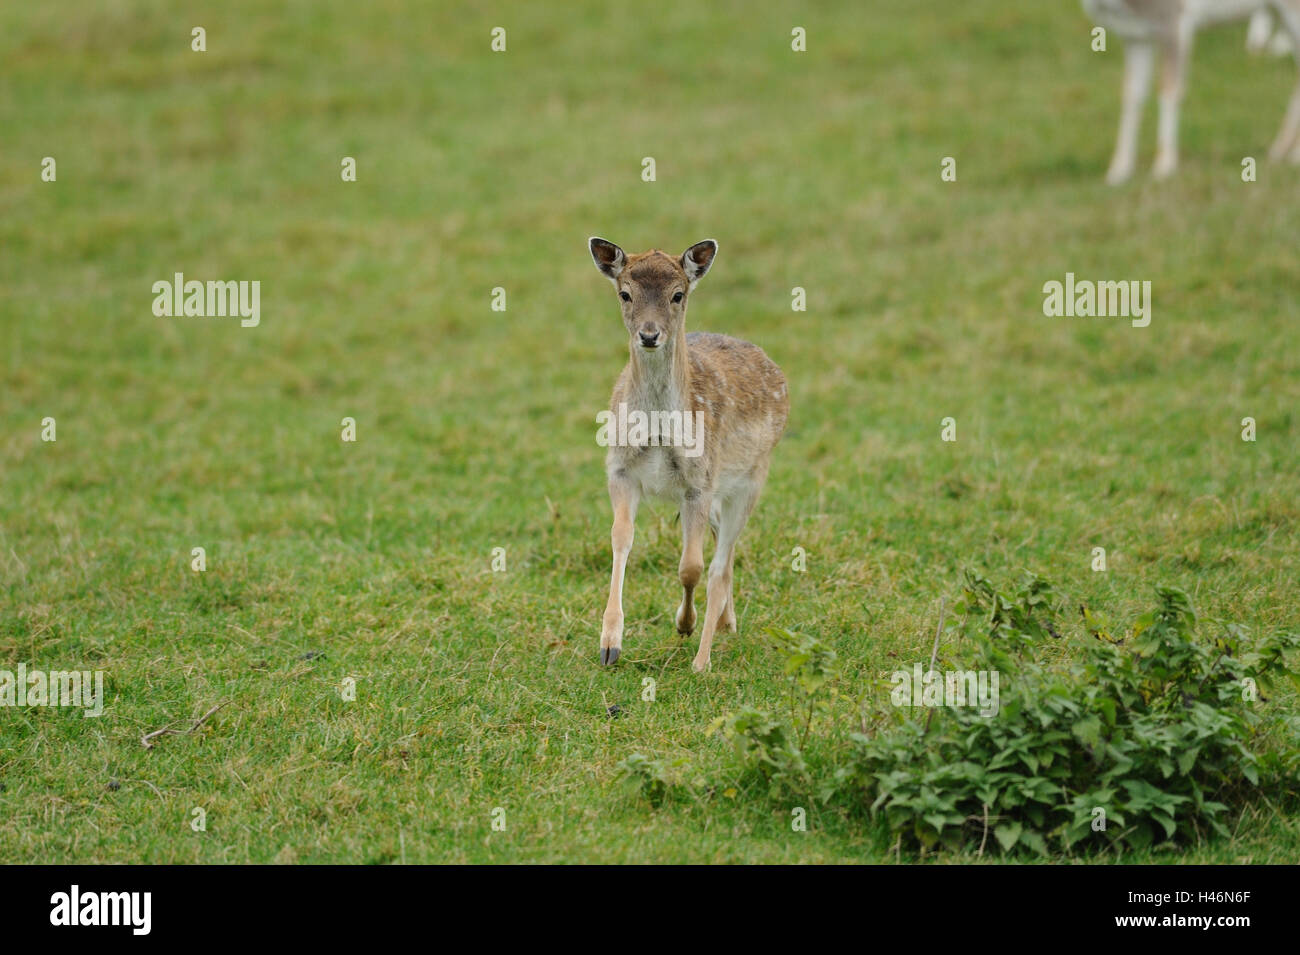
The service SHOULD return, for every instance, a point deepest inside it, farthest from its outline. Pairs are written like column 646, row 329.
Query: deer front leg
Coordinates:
column 695, row 518
column 623, row 495
column 1173, row 83
column 1138, row 61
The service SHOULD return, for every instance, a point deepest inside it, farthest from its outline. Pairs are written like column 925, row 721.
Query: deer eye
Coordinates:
column 624, row 296
column 677, row 297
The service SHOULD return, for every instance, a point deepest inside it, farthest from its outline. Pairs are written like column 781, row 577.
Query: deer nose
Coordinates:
column 649, row 339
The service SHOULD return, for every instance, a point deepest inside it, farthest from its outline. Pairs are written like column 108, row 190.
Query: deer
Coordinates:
column 1263, row 36
column 1169, row 26
column 737, row 396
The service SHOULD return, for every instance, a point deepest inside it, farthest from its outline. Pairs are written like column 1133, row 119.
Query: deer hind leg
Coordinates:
column 695, row 517
column 733, row 512
column 727, row 622
column 1139, row 57
column 1175, row 56
column 1260, row 31
column 624, row 496
column 729, row 615
column 1287, row 141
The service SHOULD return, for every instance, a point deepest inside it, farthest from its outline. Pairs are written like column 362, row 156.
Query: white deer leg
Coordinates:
column 1260, row 31
column 1287, row 139
column 1173, row 84
column 1138, row 60
column 1286, row 135
column 624, row 496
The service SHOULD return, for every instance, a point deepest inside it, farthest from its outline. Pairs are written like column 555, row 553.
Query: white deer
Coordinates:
column 735, row 396
column 1263, row 35
column 1170, row 25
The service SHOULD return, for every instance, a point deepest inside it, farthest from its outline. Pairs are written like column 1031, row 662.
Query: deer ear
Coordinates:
column 697, row 259
column 608, row 257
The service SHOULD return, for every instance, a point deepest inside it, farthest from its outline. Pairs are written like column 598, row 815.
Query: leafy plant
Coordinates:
column 811, row 670
column 765, row 747
column 1117, row 742
column 654, row 779
column 772, row 750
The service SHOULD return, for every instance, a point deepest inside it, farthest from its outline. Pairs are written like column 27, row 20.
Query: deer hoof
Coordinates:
column 609, row 656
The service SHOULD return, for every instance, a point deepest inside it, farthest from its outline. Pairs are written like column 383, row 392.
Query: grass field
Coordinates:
column 476, row 429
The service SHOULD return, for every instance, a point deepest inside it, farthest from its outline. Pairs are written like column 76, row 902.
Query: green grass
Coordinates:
column 476, row 429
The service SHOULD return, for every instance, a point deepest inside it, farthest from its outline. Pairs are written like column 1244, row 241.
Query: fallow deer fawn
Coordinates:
column 1170, row 25
column 739, row 399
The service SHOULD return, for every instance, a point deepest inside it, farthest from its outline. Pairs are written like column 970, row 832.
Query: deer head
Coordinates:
column 653, row 288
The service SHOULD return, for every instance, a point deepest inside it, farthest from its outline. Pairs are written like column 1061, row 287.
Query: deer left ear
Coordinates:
column 697, row 259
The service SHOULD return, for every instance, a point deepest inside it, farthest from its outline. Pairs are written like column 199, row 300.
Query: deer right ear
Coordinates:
column 608, row 257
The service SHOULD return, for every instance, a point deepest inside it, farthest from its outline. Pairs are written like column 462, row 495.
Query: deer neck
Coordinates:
column 661, row 379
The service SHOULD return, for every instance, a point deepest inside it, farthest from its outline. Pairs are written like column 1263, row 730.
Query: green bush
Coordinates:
column 1097, row 742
